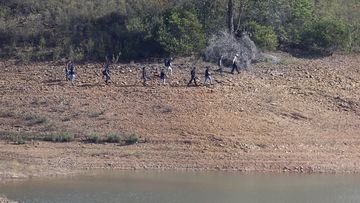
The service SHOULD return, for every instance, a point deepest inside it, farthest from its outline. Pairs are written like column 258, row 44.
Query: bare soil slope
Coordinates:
column 297, row 116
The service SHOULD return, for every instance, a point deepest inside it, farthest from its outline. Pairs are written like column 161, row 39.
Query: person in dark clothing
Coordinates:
column 193, row 77
column 162, row 77
column 220, row 65
column 208, row 77
column 67, row 69
column 106, row 73
column 168, row 64
column 234, row 64
column 144, row 76
column 71, row 73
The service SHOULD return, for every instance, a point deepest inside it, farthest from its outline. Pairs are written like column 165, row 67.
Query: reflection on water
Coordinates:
column 145, row 186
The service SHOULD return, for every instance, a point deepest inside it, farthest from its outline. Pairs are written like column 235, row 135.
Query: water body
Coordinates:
column 168, row 187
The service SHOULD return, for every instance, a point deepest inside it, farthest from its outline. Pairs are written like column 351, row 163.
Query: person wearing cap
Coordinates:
column 234, row 64
column 208, row 77
column 193, row 77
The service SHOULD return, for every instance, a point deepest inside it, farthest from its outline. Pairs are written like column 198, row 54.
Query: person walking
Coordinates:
column 234, row 64
column 193, row 77
column 71, row 74
column 168, row 64
column 220, row 65
column 162, row 77
column 106, row 73
column 68, row 66
column 208, row 77
column 144, row 76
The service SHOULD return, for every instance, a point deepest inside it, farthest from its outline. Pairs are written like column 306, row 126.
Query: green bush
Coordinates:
column 302, row 14
column 327, row 34
column 63, row 137
column 113, row 138
column 93, row 138
column 181, row 33
column 263, row 36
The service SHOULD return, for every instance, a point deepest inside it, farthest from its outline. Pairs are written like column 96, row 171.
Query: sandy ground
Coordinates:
column 302, row 116
column 5, row 200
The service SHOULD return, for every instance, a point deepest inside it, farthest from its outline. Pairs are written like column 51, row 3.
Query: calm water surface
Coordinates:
column 167, row 187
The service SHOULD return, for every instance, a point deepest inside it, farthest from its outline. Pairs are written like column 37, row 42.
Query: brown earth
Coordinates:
column 5, row 200
column 302, row 115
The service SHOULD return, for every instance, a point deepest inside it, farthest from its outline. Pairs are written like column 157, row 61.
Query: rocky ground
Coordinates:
column 300, row 115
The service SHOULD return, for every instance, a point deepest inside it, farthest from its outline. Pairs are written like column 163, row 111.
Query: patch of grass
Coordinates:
column 124, row 140
column 93, row 138
column 35, row 120
column 96, row 114
column 5, row 135
column 290, row 61
column 261, row 145
column 62, row 137
column 131, row 139
column 66, row 119
column 37, row 102
column 63, row 106
column 49, row 127
column 113, row 138
column 7, row 114
column 167, row 110
column 20, row 141
column 163, row 109
column 22, row 138
column 49, row 138
column 18, row 138
column 61, row 109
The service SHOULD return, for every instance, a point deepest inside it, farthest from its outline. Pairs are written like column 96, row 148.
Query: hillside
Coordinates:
column 302, row 115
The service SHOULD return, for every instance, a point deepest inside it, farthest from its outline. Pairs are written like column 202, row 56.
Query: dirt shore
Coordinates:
column 5, row 200
column 301, row 115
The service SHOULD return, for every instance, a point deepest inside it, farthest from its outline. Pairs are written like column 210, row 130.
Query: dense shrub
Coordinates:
column 327, row 34
column 181, row 33
column 263, row 36
column 301, row 15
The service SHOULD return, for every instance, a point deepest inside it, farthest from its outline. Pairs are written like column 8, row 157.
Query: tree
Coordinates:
column 181, row 33
column 230, row 16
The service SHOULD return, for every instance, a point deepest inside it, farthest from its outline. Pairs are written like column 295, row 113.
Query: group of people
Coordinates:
column 70, row 72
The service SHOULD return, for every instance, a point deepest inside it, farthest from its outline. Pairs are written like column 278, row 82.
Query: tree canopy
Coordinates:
column 96, row 29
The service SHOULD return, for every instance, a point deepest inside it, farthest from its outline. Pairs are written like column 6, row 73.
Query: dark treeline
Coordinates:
column 96, row 29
